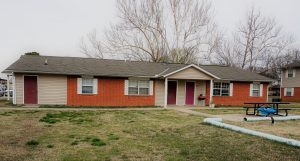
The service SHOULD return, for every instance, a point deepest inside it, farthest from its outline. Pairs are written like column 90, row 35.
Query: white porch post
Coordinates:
column 7, row 87
column 211, row 101
column 166, row 93
column 14, row 89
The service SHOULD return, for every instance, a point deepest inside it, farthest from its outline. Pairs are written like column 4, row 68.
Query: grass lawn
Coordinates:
column 289, row 129
column 127, row 135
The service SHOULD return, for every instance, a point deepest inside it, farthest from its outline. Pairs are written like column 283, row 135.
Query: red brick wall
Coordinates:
column 110, row 93
column 241, row 94
column 295, row 98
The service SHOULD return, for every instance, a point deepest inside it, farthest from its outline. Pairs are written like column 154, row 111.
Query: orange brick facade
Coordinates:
column 295, row 98
column 110, row 93
column 241, row 94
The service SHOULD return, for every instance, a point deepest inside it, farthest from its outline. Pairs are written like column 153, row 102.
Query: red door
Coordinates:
column 30, row 89
column 172, row 88
column 189, row 93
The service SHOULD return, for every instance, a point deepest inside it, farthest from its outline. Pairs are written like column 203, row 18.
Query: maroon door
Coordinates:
column 189, row 93
column 30, row 90
column 172, row 88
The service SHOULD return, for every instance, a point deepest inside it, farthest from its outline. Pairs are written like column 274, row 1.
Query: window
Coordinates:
column 256, row 90
column 221, row 89
column 289, row 92
column 87, row 85
column 290, row 73
column 138, row 87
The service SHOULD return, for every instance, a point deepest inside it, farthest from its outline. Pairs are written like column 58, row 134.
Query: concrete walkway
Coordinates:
column 229, row 117
column 189, row 111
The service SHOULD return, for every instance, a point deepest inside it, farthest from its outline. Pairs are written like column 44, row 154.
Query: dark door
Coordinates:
column 189, row 93
column 30, row 89
column 172, row 89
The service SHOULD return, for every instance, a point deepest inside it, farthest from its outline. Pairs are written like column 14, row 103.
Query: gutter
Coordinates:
column 218, row 122
column 75, row 74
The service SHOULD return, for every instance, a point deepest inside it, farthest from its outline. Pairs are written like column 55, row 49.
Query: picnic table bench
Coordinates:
column 275, row 105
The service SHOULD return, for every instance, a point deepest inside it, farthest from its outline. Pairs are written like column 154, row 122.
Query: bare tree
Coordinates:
column 91, row 46
column 255, row 44
column 175, row 30
column 258, row 40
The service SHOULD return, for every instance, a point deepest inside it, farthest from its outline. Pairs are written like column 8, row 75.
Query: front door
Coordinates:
column 172, row 89
column 189, row 93
column 30, row 89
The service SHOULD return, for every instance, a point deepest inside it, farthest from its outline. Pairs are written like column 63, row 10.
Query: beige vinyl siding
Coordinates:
column 200, row 89
column 180, row 92
column 19, row 88
column 52, row 89
column 190, row 73
column 291, row 82
column 159, row 92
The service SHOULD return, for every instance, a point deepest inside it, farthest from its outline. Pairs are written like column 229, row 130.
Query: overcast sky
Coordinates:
column 54, row 27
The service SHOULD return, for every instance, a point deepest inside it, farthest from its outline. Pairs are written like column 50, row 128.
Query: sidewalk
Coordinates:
column 229, row 117
column 189, row 111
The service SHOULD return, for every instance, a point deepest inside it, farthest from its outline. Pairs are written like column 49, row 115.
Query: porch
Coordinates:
column 188, row 86
column 186, row 92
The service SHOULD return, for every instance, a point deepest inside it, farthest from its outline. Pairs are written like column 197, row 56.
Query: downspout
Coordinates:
column 7, row 89
column 218, row 122
column 280, row 96
column 211, row 101
column 268, row 86
column 166, row 93
column 14, row 88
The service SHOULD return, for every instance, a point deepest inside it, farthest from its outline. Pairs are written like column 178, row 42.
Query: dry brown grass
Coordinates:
column 142, row 135
column 289, row 129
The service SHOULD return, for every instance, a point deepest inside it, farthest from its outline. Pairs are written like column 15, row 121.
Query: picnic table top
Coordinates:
column 266, row 103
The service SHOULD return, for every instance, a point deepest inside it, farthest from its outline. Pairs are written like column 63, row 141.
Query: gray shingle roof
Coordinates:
column 294, row 64
column 233, row 73
column 118, row 68
column 89, row 66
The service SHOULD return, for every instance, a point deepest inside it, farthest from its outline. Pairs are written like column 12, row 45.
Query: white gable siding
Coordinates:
column 190, row 73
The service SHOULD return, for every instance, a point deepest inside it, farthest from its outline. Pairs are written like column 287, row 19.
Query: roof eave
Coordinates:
column 59, row 73
column 254, row 80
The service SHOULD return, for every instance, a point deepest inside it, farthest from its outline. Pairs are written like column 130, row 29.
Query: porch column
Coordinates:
column 14, row 89
column 211, row 101
column 7, row 87
column 166, row 93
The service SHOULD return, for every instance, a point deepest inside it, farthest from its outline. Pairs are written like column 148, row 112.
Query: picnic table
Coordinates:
column 275, row 105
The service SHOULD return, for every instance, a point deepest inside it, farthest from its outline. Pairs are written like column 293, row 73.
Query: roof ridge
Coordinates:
column 101, row 59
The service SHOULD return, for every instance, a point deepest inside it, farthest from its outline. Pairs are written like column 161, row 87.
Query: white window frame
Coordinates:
column 80, row 86
column 221, row 88
column 259, row 90
column 87, row 85
column 289, row 90
column 256, row 90
column 290, row 73
column 139, row 86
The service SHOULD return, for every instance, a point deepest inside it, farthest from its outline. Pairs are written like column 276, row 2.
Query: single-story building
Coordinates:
column 77, row 81
column 290, row 82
